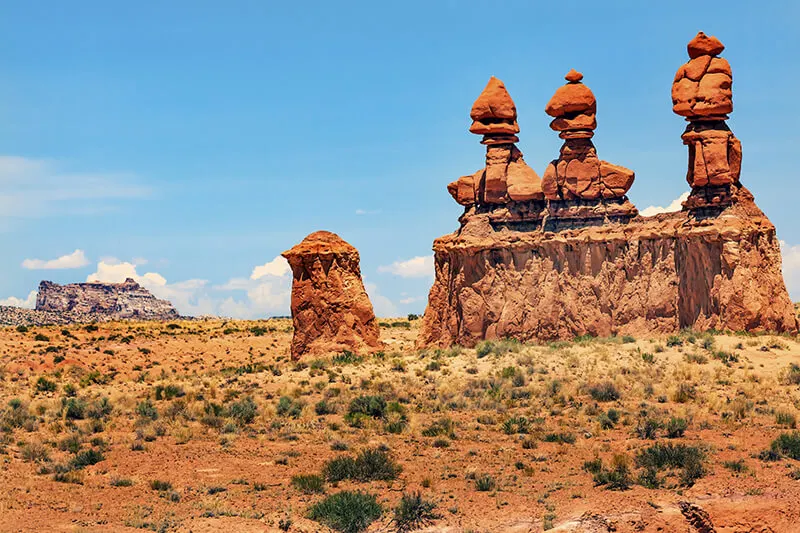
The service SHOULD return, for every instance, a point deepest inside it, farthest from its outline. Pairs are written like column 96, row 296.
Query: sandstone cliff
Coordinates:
column 127, row 300
column 651, row 275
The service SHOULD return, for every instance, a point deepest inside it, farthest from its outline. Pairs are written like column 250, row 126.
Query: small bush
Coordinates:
column 674, row 340
column 684, row 393
column 484, row 483
column 146, row 409
column 161, row 486
column 787, row 444
column 22, row 329
column 737, row 466
column 371, row 464
column 443, row 426
column 690, row 459
column 676, row 427
column 347, row 512
column 516, row 425
column 604, row 392
column 561, row 438
column 87, row 458
column 244, row 411
column 74, row 408
column 414, row 512
column 323, row 407
column 39, row 337
column 783, row 418
column 616, row 478
column 791, row 375
column 45, row 385
column 365, row 407
column 309, row 483
column 35, row 452
column 347, row 358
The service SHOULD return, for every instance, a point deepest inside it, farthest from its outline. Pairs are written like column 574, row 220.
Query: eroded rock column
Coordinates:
column 331, row 311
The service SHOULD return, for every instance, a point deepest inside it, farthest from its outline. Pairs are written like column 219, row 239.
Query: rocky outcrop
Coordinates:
column 127, row 300
column 588, row 264
column 578, row 174
column 506, row 181
column 330, row 308
column 702, row 93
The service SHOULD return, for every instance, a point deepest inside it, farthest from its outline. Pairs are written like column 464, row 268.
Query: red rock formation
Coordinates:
column 583, row 271
column 578, row 174
column 330, row 308
column 506, row 178
column 702, row 93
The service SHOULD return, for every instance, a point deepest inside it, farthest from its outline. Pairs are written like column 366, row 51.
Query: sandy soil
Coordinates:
column 176, row 411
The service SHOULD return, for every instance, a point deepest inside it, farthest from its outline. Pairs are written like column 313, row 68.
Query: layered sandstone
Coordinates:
column 127, row 300
column 330, row 308
column 650, row 275
column 702, row 93
column 589, row 265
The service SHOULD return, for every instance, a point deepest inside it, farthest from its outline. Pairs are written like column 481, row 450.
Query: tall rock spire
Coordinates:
column 702, row 93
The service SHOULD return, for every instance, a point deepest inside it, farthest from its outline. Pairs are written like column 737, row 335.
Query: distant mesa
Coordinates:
column 331, row 311
column 568, row 255
column 127, row 300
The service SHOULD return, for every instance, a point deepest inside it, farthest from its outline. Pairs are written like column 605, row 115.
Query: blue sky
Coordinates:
column 193, row 141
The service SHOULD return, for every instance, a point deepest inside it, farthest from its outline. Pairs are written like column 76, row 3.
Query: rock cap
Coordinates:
column 320, row 242
column 494, row 112
column 574, row 97
column 704, row 45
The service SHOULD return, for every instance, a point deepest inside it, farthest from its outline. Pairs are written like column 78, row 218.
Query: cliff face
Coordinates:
column 649, row 275
column 118, row 300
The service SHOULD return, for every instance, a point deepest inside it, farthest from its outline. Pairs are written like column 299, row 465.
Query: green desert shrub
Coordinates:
column 364, row 408
column 413, row 512
column 244, row 411
column 690, row 460
column 370, row 465
column 309, row 483
column 346, row 511
column 787, row 444
column 604, row 392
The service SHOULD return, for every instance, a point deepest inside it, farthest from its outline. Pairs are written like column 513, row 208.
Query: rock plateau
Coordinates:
column 331, row 311
column 127, row 300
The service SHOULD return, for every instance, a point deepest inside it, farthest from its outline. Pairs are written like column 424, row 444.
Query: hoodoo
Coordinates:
column 330, row 308
column 577, row 259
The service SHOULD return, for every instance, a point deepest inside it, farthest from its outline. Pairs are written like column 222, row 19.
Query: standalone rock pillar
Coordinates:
column 330, row 308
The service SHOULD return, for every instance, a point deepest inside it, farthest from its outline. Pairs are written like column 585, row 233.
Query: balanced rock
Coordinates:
column 702, row 93
column 506, row 178
column 127, row 300
column 330, row 308
column 578, row 174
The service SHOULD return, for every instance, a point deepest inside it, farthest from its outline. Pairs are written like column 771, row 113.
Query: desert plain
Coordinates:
column 209, row 425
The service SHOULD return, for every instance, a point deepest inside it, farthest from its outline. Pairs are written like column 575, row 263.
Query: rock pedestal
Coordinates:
column 330, row 308
column 702, row 93
column 578, row 184
column 506, row 186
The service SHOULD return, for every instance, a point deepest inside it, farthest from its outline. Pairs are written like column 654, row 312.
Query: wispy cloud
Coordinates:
column 674, row 206
column 416, row 267
column 76, row 259
column 37, row 188
column 362, row 212
column 27, row 303
column 791, row 268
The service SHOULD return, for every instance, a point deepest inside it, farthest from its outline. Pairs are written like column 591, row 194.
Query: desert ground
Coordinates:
column 208, row 425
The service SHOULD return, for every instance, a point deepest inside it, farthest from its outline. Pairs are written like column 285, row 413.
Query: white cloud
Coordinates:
column 791, row 269
column 416, row 267
column 382, row 305
column 411, row 300
column 674, row 206
column 362, row 212
column 277, row 267
column 76, row 259
column 27, row 303
column 37, row 188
